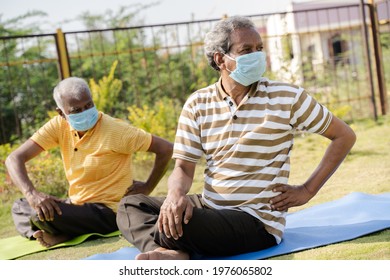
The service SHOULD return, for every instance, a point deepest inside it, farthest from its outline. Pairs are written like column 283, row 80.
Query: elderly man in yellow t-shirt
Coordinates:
column 97, row 151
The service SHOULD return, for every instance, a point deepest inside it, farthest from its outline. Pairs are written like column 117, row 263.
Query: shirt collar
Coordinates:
column 221, row 93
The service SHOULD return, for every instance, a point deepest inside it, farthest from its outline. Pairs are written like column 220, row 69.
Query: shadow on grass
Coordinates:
column 363, row 153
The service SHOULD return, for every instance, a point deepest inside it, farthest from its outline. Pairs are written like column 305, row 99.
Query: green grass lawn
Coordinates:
column 366, row 169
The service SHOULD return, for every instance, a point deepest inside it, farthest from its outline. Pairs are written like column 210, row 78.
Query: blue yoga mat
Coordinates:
column 350, row 217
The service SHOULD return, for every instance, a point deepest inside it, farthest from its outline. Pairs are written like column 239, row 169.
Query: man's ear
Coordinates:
column 59, row 111
column 219, row 60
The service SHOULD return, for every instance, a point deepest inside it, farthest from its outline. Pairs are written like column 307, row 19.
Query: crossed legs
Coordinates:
column 210, row 232
column 74, row 221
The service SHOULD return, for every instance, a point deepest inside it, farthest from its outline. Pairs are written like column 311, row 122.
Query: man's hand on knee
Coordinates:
column 173, row 212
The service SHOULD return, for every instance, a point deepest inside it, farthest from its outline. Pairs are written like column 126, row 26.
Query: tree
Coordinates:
column 25, row 80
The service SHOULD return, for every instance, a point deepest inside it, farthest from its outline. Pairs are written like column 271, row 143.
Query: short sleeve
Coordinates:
column 309, row 115
column 49, row 134
column 187, row 144
column 134, row 140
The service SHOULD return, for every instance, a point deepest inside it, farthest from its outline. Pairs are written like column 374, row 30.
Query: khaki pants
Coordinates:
column 210, row 232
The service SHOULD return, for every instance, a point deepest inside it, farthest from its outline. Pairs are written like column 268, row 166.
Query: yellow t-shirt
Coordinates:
column 98, row 166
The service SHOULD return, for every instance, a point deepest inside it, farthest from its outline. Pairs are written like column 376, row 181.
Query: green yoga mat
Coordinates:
column 18, row 246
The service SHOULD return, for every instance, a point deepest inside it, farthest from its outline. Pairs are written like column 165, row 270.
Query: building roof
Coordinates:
column 325, row 14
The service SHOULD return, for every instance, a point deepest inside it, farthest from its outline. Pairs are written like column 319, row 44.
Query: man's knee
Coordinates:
column 21, row 206
column 21, row 215
column 134, row 200
column 22, row 212
column 130, row 206
column 128, row 203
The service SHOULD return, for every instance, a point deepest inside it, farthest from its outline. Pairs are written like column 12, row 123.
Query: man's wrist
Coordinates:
column 29, row 193
column 309, row 190
column 176, row 192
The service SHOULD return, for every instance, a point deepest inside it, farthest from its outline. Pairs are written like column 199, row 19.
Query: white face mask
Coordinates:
column 249, row 68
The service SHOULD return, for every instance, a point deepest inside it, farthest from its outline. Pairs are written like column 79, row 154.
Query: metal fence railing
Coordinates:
column 339, row 53
column 382, row 18
column 154, row 60
column 29, row 70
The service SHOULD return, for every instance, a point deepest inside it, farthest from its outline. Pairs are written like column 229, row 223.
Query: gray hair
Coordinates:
column 74, row 87
column 218, row 38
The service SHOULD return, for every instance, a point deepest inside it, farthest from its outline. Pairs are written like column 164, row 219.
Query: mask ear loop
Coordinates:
column 231, row 58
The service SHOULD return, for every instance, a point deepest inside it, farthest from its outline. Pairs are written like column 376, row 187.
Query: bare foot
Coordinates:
column 163, row 254
column 48, row 240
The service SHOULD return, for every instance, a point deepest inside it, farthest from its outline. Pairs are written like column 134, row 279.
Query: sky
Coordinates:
column 164, row 11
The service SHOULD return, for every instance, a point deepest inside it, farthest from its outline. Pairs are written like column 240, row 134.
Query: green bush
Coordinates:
column 160, row 120
column 46, row 172
column 105, row 93
column 6, row 189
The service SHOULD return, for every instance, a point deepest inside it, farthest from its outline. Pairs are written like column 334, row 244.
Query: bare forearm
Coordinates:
column 163, row 151
column 342, row 138
column 160, row 167
column 179, row 182
column 16, row 166
column 334, row 156
column 18, row 173
column 177, row 207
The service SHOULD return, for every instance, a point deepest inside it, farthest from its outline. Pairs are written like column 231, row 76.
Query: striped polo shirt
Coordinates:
column 247, row 146
column 98, row 166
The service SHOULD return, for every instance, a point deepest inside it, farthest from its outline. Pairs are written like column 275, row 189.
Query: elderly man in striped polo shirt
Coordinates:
column 244, row 125
column 97, row 151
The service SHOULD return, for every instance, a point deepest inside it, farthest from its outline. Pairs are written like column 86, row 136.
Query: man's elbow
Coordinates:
column 351, row 137
column 11, row 158
column 165, row 150
column 168, row 150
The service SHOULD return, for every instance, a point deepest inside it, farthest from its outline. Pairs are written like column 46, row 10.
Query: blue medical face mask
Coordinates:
column 84, row 120
column 249, row 67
